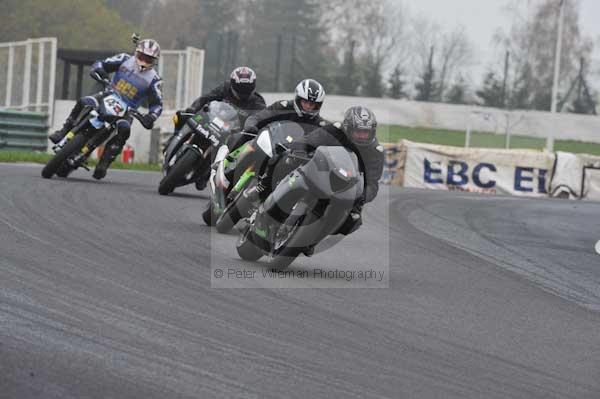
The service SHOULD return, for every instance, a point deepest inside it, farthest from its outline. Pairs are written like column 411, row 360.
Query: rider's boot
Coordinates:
column 310, row 250
column 58, row 135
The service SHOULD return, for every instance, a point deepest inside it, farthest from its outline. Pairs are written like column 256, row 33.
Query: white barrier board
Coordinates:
column 489, row 171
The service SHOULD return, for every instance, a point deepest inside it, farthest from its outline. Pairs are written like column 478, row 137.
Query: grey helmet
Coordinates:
column 360, row 125
column 309, row 93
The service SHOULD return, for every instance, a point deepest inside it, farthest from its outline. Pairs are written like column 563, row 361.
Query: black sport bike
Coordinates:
column 190, row 152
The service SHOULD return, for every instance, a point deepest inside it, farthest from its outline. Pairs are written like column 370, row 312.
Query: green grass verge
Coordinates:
column 391, row 134
column 386, row 134
column 42, row 158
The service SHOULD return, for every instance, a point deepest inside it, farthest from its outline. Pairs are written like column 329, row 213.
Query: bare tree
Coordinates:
column 453, row 52
column 383, row 38
column 425, row 34
column 456, row 53
column 374, row 36
column 193, row 22
column 531, row 41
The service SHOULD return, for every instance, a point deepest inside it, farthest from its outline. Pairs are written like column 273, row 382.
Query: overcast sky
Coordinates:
column 481, row 19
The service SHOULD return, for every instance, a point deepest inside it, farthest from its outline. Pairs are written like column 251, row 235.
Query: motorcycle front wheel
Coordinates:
column 282, row 255
column 234, row 211
column 246, row 249
column 72, row 147
column 208, row 215
column 177, row 173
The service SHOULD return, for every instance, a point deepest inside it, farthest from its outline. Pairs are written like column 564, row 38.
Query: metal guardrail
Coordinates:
column 20, row 130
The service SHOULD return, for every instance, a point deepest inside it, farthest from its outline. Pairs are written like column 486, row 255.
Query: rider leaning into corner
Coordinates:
column 304, row 109
column 239, row 90
column 136, row 81
column 357, row 133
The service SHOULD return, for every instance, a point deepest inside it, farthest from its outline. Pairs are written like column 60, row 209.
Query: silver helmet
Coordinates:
column 309, row 98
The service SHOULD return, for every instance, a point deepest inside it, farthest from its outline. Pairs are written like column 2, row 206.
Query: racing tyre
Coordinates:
column 283, row 256
column 209, row 216
column 233, row 213
column 71, row 148
column 246, row 249
column 177, row 173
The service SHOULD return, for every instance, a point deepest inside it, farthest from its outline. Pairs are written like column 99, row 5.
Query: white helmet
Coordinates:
column 147, row 53
column 309, row 98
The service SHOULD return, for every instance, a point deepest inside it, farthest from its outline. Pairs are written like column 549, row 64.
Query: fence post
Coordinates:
column 188, row 65
column 154, row 145
column 201, row 72
column 179, row 88
column 468, row 132
column 39, row 89
column 52, row 79
column 27, row 75
column 9, row 75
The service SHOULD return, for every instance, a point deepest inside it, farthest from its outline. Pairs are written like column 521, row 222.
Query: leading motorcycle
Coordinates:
column 93, row 126
column 317, row 197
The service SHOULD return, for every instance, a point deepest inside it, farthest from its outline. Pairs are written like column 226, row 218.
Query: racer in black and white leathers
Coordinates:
column 304, row 110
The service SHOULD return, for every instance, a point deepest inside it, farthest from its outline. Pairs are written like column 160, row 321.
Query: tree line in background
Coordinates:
column 377, row 48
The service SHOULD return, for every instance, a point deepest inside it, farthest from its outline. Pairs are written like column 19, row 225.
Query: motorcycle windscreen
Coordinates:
column 284, row 133
column 333, row 171
column 224, row 116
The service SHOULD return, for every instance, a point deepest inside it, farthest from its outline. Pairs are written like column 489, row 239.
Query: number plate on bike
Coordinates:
column 114, row 105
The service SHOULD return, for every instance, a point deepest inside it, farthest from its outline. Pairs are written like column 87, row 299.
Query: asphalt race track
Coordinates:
column 105, row 292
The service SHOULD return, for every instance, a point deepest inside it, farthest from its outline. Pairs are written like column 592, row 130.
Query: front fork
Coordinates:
column 85, row 128
column 95, row 141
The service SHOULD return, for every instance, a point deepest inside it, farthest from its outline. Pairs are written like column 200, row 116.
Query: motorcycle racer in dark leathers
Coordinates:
column 239, row 91
column 357, row 133
column 136, row 81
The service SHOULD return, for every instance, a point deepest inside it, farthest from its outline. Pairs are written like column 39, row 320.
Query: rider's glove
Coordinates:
column 99, row 74
column 148, row 120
